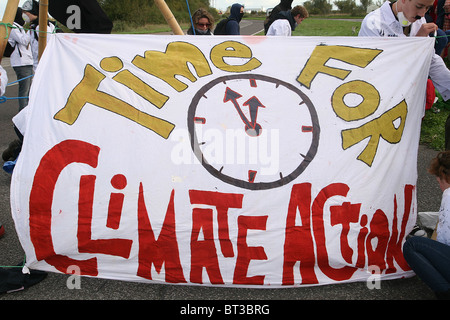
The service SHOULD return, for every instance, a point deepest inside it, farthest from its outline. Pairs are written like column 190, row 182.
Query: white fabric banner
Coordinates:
column 245, row 161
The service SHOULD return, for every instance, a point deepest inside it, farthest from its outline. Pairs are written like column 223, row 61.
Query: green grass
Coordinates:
column 433, row 125
column 327, row 27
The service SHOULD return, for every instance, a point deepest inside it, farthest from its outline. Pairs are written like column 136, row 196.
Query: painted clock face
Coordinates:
column 253, row 131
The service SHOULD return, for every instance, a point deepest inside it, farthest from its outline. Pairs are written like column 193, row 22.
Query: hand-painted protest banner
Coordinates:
column 245, row 161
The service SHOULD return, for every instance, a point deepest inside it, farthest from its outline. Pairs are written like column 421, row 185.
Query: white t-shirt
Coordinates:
column 443, row 227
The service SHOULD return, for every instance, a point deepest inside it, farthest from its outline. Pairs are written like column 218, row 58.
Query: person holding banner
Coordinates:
column 406, row 18
column 3, row 82
column 236, row 14
column 430, row 258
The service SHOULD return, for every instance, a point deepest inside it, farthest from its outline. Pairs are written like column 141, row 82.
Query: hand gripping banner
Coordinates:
column 242, row 161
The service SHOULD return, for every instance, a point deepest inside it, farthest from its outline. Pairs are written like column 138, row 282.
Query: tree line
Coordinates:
column 142, row 12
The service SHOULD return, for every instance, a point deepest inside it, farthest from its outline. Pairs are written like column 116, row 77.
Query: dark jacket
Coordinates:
column 288, row 16
column 235, row 17
column 284, row 5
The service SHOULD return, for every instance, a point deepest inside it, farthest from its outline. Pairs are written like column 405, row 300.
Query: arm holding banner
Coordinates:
column 384, row 23
column 3, row 80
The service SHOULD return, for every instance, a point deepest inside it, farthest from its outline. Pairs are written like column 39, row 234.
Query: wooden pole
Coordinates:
column 43, row 20
column 8, row 18
column 162, row 5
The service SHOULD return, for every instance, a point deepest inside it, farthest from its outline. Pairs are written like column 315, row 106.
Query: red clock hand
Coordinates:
column 232, row 96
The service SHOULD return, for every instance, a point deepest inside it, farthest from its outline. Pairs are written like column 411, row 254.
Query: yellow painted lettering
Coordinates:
column 175, row 61
column 235, row 51
column 87, row 92
column 386, row 126
column 370, row 100
column 125, row 77
column 322, row 54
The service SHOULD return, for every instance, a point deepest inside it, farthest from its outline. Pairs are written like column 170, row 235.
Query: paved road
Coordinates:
column 54, row 287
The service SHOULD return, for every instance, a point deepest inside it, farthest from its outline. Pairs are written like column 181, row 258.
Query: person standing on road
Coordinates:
column 236, row 14
column 286, row 21
column 21, row 58
column 430, row 258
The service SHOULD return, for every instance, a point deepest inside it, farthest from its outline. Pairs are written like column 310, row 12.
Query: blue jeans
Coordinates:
column 430, row 260
column 24, row 85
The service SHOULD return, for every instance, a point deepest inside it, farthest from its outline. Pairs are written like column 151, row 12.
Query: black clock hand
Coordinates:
column 253, row 103
column 232, row 96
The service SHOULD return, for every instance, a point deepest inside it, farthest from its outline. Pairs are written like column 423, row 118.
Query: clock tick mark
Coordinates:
column 199, row 120
column 251, row 176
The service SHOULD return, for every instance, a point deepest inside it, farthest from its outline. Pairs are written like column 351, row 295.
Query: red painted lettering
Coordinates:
column 41, row 199
column 115, row 247
column 203, row 252
column 336, row 189
column 222, row 202
column 246, row 253
column 299, row 244
column 156, row 252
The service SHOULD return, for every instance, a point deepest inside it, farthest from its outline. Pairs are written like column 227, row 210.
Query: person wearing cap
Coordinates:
column 30, row 10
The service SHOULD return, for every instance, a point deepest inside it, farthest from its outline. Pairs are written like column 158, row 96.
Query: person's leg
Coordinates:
column 430, row 260
column 24, row 85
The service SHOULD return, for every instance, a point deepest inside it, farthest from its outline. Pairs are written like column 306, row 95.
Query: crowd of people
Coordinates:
column 428, row 257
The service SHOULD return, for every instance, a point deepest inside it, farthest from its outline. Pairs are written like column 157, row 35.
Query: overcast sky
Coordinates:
column 3, row 6
column 223, row 4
